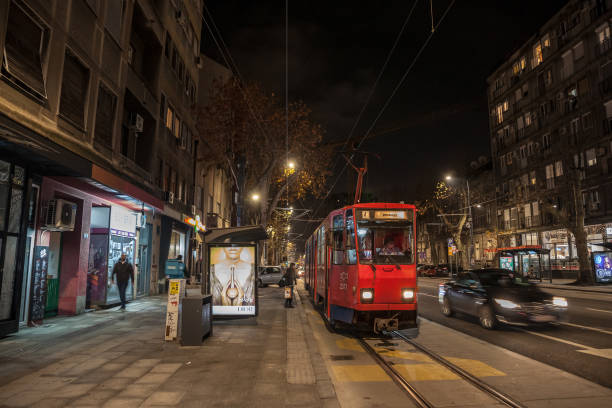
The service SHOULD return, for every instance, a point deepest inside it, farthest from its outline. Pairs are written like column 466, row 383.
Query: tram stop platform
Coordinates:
column 282, row 358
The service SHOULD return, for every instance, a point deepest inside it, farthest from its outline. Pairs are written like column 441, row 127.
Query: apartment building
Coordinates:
column 97, row 149
column 550, row 107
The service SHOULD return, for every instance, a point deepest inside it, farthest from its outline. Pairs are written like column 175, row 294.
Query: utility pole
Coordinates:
column 471, row 223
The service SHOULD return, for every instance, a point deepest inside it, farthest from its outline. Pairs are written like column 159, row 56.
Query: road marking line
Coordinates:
column 571, row 343
column 427, row 294
column 599, row 310
column 586, row 327
column 605, row 353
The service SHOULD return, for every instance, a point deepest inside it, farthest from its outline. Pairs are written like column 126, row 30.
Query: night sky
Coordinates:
column 336, row 50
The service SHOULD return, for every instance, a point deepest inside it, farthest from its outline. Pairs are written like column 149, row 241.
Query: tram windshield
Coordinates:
column 385, row 240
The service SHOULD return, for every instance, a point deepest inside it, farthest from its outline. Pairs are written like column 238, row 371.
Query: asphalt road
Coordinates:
column 581, row 345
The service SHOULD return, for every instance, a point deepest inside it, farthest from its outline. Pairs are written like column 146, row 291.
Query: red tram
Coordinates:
column 360, row 267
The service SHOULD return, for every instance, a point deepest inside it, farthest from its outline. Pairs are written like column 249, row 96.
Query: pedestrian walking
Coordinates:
column 124, row 271
column 289, row 281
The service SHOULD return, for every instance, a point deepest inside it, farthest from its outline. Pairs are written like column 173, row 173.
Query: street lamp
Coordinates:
column 255, row 197
column 467, row 183
column 291, row 164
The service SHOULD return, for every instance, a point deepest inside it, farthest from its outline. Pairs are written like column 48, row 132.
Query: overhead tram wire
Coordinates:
column 367, row 102
column 386, row 104
column 229, row 60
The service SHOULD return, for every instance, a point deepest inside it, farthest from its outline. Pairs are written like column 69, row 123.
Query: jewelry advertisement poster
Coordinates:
column 232, row 279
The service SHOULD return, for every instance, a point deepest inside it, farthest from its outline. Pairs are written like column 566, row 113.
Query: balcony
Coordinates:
column 533, row 221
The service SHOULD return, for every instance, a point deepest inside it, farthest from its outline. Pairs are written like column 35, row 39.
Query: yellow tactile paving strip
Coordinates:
column 423, row 368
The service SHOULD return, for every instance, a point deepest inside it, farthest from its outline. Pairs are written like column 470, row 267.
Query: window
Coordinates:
column 532, row 177
column 550, row 176
column 523, row 152
column 112, row 21
column 525, row 179
column 591, row 157
column 603, row 37
column 168, row 46
column 337, row 237
column 587, row 121
column 558, row 168
column 548, row 79
column 583, row 86
column 351, row 252
column 525, row 89
column 546, row 141
column 24, row 49
column 523, row 63
column 505, row 106
column 509, row 158
column 567, row 64
column 75, row 81
column 578, row 50
column 502, row 161
column 575, row 126
column 518, row 94
column 594, row 199
column 105, row 116
column 169, row 118
column 528, row 119
column 537, row 55
column 177, row 127
column 500, row 113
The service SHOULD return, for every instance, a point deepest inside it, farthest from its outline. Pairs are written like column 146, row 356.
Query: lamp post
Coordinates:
column 470, row 220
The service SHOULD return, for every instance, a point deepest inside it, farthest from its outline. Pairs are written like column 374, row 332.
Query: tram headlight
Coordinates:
column 367, row 295
column 408, row 295
column 559, row 301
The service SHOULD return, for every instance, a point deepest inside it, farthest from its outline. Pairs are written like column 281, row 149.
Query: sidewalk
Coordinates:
column 115, row 359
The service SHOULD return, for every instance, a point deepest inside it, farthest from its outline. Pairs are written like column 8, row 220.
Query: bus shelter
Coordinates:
column 530, row 261
column 231, row 269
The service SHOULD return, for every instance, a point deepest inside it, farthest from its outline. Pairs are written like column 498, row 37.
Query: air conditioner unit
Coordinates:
column 136, row 122
column 193, row 210
column 60, row 215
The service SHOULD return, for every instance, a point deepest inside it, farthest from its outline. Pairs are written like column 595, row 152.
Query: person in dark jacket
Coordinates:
column 290, row 281
column 124, row 271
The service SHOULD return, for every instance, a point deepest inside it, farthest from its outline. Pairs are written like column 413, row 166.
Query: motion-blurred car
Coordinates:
column 497, row 296
column 426, row 270
column 269, row 275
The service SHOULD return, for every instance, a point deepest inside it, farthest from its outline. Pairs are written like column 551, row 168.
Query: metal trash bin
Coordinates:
column 196, row 321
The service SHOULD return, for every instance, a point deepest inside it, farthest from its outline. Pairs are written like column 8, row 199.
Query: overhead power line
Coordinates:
column 388, row 101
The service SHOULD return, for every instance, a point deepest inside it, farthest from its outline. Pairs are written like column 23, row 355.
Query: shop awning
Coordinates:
column 607, row 245
column 248, row 233
column 525, row 249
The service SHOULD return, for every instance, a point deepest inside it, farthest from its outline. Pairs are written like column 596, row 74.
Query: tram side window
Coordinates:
column 351, row 251
column 321, row 247
column 337, row 232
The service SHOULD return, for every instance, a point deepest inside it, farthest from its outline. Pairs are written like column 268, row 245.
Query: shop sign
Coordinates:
column 123, row 222
column 195, row 222
column 232, row 279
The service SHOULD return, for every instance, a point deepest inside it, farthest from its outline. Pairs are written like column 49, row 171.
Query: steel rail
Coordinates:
column 498, row 395
column 420, row 401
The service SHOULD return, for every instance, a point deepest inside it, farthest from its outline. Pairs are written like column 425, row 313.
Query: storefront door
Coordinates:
column 12, row 194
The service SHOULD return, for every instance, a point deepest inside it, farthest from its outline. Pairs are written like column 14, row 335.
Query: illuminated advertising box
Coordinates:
column 506, row 262
column 232, row 280
column 603, row 268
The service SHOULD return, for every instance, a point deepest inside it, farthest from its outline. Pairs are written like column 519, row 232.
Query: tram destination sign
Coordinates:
column 389, row 215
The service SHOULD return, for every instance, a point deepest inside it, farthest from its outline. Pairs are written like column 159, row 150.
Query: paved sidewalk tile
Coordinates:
column 110, row 359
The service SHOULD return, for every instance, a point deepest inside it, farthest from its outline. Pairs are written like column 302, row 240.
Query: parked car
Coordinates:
column 426, row 270
column 269, row 275
column 498, row 296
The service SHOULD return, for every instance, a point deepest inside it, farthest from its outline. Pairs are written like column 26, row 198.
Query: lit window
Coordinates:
column 169, row 118
column 591, row 157
column 558, row 168
column 537, row 55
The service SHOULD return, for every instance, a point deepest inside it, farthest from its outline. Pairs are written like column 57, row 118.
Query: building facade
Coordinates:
column 97, row 149
column 550, row 107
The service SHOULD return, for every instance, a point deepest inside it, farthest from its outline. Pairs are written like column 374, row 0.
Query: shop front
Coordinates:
column 175, row 235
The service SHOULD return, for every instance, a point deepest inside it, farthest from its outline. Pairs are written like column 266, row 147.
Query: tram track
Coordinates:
column 411, row 390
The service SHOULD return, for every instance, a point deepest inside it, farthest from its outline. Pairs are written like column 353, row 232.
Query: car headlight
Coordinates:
column 507, row 304
column 407, row 295
column 559, row 301
column 367, row 295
